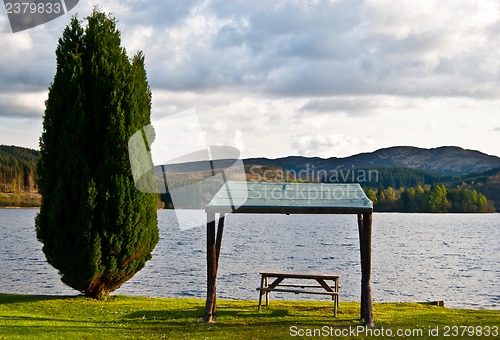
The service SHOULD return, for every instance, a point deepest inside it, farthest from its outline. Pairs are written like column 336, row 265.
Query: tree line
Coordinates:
column 430, row 198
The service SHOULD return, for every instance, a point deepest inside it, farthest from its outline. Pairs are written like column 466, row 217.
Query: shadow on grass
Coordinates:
column 20, row 298
column 196, row 313
column 230, row 315
column 77, row 331
column 162, row 315
column 32, row 319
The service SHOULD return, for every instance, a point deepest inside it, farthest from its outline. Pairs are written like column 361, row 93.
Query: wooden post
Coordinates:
column 211, row 269
column 213, row 254
column 218, row 242
column 360, row 230
column 365, row 233
column 220, row 229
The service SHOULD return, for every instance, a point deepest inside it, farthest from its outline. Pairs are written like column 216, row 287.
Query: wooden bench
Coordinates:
column 298, row 288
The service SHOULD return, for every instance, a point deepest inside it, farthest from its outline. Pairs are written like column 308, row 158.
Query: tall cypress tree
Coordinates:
column 97, row 229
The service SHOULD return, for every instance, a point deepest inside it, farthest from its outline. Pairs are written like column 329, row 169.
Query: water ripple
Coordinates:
column 416, row 257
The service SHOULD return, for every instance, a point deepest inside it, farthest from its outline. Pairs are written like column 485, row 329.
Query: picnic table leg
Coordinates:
column 335, row 297
column 335, row 304
column 267, row 293
column 261, row 292
column 264, row 283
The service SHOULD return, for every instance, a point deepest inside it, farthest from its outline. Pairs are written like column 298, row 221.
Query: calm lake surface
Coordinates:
column 416, row 257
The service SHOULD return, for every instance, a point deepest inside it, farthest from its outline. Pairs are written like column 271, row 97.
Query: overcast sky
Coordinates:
column 279, row 78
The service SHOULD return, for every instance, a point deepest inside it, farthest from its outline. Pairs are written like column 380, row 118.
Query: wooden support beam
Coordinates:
column 218, row 242
column 360, row 231
column 211, row 269
column 213, row 255
column 365, row 233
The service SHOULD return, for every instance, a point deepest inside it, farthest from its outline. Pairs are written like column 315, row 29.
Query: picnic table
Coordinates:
column 278, row 285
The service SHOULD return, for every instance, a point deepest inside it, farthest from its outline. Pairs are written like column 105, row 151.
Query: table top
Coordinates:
column 301, row 275
column 290, row 198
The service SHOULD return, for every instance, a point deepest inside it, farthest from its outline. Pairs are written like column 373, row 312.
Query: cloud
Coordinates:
column 275, row 73
column 314, row 145
column 351, row 106
column 22, row 104
column 328, row 145
column 295, row 48
column 355, row 106
column 334, row 48
column 27, row 61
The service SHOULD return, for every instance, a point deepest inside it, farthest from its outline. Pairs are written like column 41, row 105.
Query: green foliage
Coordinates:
column 436, row 198
column 372, row 195
column 17, row 165
column 395, row 177
column 96, row 228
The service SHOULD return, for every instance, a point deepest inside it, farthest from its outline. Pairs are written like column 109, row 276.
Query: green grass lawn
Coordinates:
column 124, row 317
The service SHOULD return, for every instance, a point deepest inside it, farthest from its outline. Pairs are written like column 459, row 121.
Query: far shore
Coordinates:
column 8, row 207
column 381, row 212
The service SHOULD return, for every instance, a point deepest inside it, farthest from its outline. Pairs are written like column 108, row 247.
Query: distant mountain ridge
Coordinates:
column 446, row 160
column 401, row 166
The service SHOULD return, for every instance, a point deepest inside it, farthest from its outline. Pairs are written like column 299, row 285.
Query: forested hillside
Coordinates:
column 392, row 188
column 18, row 177
column 431, row 198
column 17, row 169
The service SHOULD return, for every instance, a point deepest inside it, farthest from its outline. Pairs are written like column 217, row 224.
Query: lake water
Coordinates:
column 416, row 257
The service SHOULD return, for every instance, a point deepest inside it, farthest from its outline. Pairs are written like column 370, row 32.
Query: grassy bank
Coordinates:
column 123, row 317
column 20, row 200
